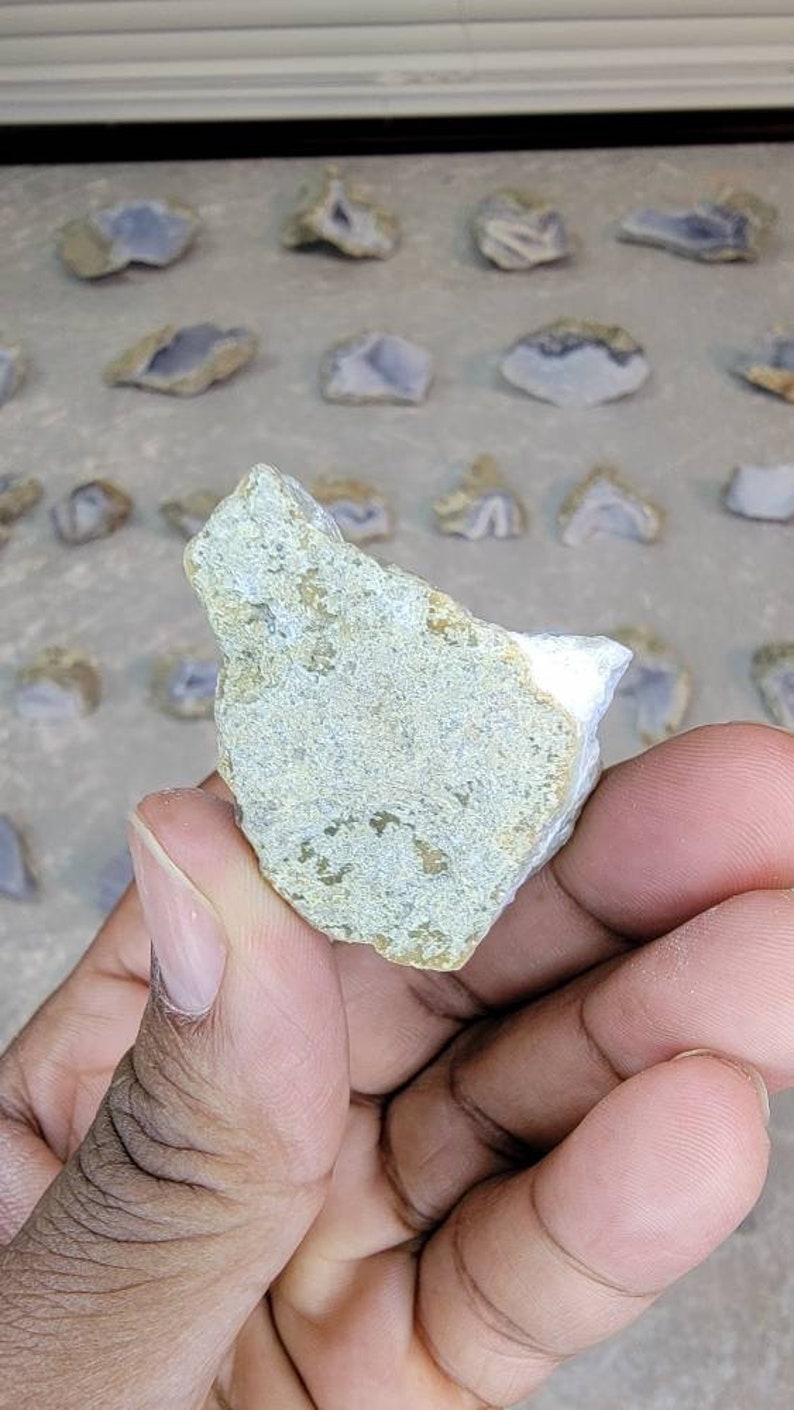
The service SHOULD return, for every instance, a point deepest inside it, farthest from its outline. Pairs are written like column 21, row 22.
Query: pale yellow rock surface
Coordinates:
column 400, row 766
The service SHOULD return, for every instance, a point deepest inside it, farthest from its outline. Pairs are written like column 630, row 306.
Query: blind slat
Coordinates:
column 249, row 46
column 26, row 17
column 447, row 66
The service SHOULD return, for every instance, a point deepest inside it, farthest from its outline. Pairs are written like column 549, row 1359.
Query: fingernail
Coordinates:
column 746, row 1070
column 186, row 935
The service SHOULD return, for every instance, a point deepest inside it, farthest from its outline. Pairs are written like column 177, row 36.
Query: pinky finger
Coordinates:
column 536, row 1268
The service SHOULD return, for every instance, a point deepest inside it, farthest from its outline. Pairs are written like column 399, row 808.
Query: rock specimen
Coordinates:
column 482, row 505
column 13, row 366
column 57, row 686
column 184, row 686
column 90, row 511
column 770, row 364
column 717, row 231
column 399, row 766
column 154, row 232
column 376, row 367
column 603, row 503
column 658, row 683
column 183, row 361
column 761, row 492
column 772, row 671
column 114, row 878
column 514, row 230
column 359, row 510
column 17, row 877
column 574, row 363
column 343, row 216
column 190, row 513
column 18, row 495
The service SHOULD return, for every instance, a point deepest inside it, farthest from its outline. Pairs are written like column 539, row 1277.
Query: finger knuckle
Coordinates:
column 150, row 1166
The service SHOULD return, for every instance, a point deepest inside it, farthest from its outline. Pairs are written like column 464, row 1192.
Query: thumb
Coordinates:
column 208, row 1158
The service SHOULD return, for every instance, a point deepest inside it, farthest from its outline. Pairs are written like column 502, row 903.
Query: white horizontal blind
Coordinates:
column 157, row 59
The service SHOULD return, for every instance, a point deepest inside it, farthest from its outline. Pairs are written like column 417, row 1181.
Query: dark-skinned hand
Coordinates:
column 292, row 1176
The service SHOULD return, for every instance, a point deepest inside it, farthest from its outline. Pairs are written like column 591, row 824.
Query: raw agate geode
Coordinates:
column 153, row 232
column 184, row 685
column 761, row 492
column 13, row 366
column 717, row 232
column 57, row 686
column 18, row 495
column 769, row 365
column 400, row 767
column 17, row 877
column 657, row 681
column 90, row 511
column 576, row 363
column 183, row 361
column 359, row 510
column 603, row 503
column 376, row 367
column 514, row 230
column 482, row 505
column 341, row 215
column 772, row 671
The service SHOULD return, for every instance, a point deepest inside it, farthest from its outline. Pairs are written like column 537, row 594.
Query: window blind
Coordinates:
column 138, row 60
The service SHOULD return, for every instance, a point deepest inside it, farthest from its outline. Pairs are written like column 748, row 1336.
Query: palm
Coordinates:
column 461, row 1084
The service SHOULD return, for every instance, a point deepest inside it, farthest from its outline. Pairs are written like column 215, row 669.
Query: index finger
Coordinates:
column 665, row 835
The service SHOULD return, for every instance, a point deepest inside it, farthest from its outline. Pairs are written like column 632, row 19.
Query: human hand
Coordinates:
column 522, row 1166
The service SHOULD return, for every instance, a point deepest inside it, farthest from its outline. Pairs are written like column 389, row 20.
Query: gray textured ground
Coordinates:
column 716, row 586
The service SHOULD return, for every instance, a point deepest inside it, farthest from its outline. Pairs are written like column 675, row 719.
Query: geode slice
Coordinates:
column 57, row 686
column 17, row 877
column 184, row 686
column 154, row 232
column 514, row 230
column 719, row 231
column 359, row 510
column 603, row 503
column 90, row 511
column 761, row 492
column 343, row 216
column 772, row 672
column 576, row 363
column 770, row 364
column 399, row 766
column 658, row 683
column 183, row 361
column 190, row 513
column 18, row 495
column 482, row 505
column 376, row 367
column 13, row 366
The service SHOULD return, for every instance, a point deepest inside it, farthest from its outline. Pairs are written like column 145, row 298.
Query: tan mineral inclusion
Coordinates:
column 400, row 767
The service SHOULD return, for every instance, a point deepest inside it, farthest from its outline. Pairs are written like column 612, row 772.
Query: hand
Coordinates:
column 319, row 1180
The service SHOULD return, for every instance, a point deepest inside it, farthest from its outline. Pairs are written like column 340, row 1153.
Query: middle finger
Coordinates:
column 666, row 835
column 509, row 1090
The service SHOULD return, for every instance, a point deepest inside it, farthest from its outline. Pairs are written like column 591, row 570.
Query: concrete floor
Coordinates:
column 716, row 586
